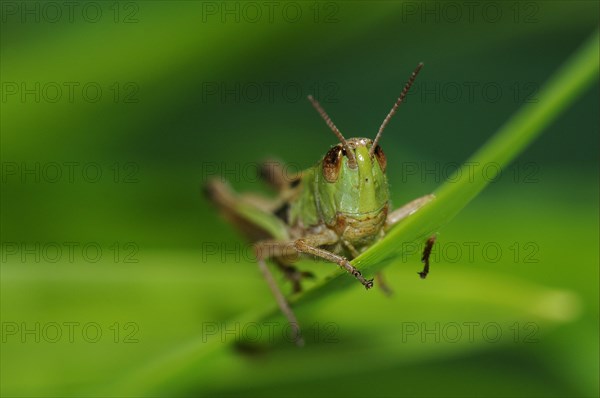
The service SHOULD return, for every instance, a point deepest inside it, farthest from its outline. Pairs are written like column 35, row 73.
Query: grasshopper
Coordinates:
column 334, row 210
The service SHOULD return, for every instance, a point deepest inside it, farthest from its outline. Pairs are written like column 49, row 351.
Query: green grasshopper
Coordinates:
column 334, row 210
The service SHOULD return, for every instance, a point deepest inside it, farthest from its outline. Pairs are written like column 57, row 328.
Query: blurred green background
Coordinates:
column 119, row 279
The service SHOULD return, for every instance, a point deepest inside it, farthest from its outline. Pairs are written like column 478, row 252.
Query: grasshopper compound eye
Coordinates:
column 332, row 162
column 380, row 156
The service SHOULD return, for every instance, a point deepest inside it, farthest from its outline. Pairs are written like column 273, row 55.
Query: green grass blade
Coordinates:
column 577, row 74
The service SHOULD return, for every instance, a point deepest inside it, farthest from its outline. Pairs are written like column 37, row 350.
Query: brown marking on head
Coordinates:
column 332, row 162
column 381, row 159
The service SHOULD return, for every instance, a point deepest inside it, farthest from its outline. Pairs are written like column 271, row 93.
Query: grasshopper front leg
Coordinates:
column 310, row 244
column 400, row 214
column 307, row 245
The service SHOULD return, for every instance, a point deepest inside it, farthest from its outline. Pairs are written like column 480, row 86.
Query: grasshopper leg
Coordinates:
column 400, row 214
column 303, row 246
column 311, row 245
column 282, row 302
column 378, row 276
column 385, row 288
column 425, row 257
column 292, row 274
column 307, row 245
column 221, row 194
column 276, row 175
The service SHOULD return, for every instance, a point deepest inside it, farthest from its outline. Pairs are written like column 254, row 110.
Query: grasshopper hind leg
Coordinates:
column 230, row 204
column 277, row 175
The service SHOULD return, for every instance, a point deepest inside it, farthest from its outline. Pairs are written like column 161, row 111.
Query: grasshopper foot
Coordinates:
column 425, row 257
column 367, row 283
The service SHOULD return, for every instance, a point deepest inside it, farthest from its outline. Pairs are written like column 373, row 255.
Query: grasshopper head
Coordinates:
column 353, row 172
column 358, row 188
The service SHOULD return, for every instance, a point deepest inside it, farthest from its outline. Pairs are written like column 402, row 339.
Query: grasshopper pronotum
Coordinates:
column 334, row 210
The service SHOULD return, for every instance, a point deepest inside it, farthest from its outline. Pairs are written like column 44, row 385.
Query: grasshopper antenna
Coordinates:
column 395, row 107
column 351, row 158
